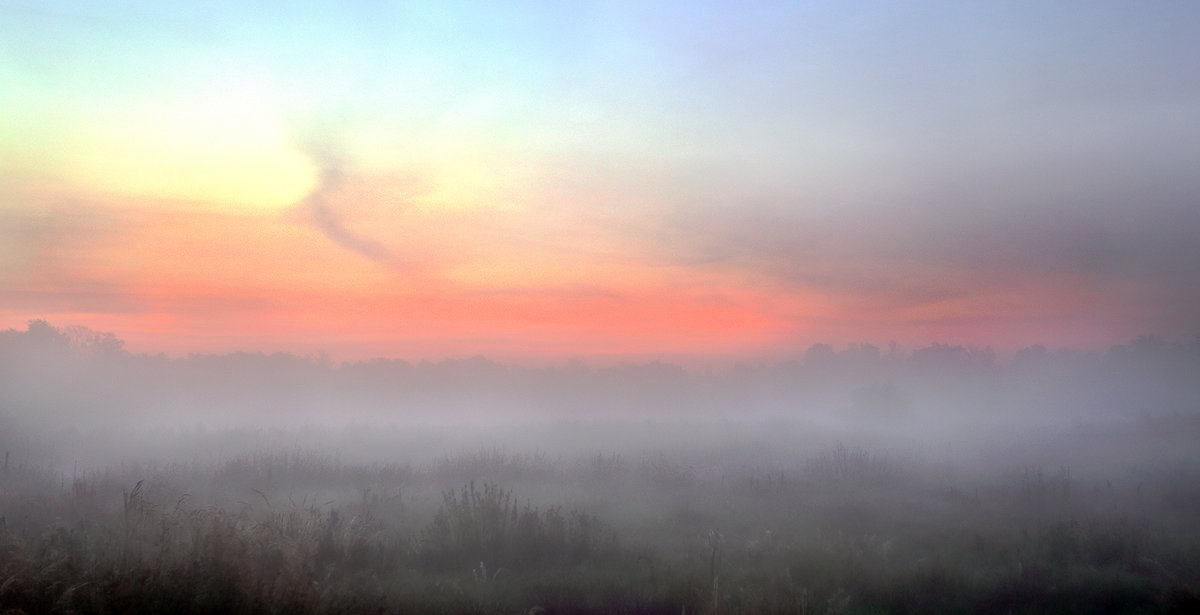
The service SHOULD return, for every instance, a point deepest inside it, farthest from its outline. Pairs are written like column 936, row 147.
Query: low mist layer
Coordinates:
column 73, row 382
column 859, row 480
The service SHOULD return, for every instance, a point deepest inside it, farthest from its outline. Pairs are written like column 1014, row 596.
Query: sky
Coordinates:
column 544, row 181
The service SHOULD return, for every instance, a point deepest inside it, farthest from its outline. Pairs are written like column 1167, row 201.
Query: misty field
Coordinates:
column 940, row 480
column 553, row 308
column 838, row 529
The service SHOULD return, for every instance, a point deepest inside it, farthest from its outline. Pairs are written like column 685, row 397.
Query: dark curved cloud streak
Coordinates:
column 320, row 210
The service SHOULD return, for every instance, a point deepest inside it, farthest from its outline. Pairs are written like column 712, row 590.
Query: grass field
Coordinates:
column 758, row 521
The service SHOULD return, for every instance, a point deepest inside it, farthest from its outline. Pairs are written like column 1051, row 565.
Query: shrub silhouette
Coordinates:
column 476, row 525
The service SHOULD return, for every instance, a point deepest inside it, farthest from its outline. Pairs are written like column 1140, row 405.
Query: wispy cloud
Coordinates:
column 320, row 209
column 1122, row 257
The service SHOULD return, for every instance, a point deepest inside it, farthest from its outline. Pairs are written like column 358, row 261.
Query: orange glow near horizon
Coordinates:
column 459, row 283
column 539, row 182
column 216, row 281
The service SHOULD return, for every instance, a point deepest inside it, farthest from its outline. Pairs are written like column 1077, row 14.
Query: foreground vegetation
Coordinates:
column 834, row 530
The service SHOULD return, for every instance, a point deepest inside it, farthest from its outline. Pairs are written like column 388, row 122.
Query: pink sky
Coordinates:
column 545, row 183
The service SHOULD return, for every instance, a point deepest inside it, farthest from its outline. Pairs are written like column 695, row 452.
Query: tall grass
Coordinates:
column 842, row 531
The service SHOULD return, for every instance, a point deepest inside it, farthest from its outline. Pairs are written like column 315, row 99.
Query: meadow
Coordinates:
column 705, row 517
column 941, row 480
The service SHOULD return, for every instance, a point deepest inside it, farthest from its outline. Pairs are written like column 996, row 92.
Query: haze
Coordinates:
column 100, row 403
column 868, row 480
column 618, row 308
